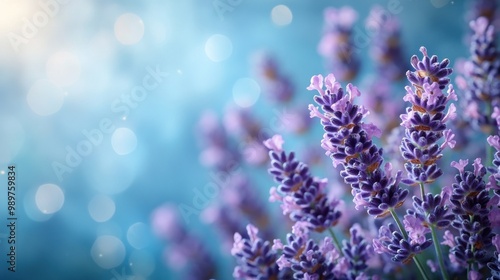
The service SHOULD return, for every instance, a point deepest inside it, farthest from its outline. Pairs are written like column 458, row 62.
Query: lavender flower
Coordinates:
column 306, row 259
column 425, row 121
column 336, row 44
column 402, row 249
column 386, row 46
column 227, row 220
column 278, row 87
column 302, row 195
column 348, row 142
column 255, row 257
column 470, row 206
column 433, row 210
column 186, row 250
column 356, row 252
column 483, row 76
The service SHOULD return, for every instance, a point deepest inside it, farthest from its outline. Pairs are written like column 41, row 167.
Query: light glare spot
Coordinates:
column 63, row 69
column 123, row 141
column 49, row 198
column 129, row 29
column 246, row 92
column 138, row 235
column 44, row 98
column 218, row 48
column 108, row 251
column 281, row 15
column 101, row 208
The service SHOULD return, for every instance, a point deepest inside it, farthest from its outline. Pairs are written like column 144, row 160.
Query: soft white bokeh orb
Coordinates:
column 246, row 92
column 44, row 98
column 101, row 208
column 31, row 209
column 281, row 15
column 218, row 48
column 49, row 198
column 108, row 251
column 63, row 68
column 138, row 235
column 142, row 263
column 13, row 136
column 123, row 141
column 129, row 29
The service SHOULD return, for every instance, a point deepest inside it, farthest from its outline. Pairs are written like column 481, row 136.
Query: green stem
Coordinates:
column 422, row 190
column 439, row 253
column 420, row 268
column 336, row 241
column 405, row 235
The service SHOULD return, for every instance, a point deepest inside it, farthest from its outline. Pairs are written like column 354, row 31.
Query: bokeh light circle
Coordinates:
column 108, row 251
column 101, row 208
column 281, row 15
column 123, row 141
column 142, row 263
column 246, row 92
column 129, row 29
column 63, row 68
column 44, row 98
column 138, row 235
column 49, row 198
column 218, row 48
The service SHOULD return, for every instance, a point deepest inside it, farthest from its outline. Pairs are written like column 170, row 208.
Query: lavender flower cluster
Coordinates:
column 427, row 213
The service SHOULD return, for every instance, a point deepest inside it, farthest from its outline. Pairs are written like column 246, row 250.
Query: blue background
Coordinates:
column 164, row 167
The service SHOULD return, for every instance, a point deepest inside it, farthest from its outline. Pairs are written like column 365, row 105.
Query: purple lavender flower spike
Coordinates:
column 433, row 209
column 356, row 252
column 425, row 121
column 470, row 206
column 494, row 180
column 304, row 197
column 186, row 249
column 402, row 250
column 386, row 48
column 494, row 266
column 484, row 8
column 429, row 70
column 347, row 140
column 255, row 258
column 337, row 46
column 306, row 259
column 483, row 75
column 278, row 87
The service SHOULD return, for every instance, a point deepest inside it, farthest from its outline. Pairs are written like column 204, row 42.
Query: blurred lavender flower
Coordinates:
column 226, row 220
column 481, row 76
column 242, row 124
column 303, row 197
column 386, row 46
column 347, row 140
column 357, row 253
column 470, row 206
column 336, row 45
column 217, row 151
column 278, row 87
column 255, row 258
column 185, row 250
column 425, row 120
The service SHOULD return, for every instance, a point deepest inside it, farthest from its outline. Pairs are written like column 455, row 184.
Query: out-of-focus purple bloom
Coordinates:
column 303, row 197
column 278, row 87
column 255, row 258
column 185, row 249
column 494, row 179
column 386, row 45
column 482, row 76
column 347, row 140
column 217, row 151
column 336, row 45
column 470, row 206
column 295, row 120
column 402, row 250
column 228, row 222
column 356, row 252
column 425, row 120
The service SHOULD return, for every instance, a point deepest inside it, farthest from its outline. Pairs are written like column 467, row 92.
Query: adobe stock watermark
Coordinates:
column 224, row 6
column 122, row 106
column 219, row 180
column 48, row 9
